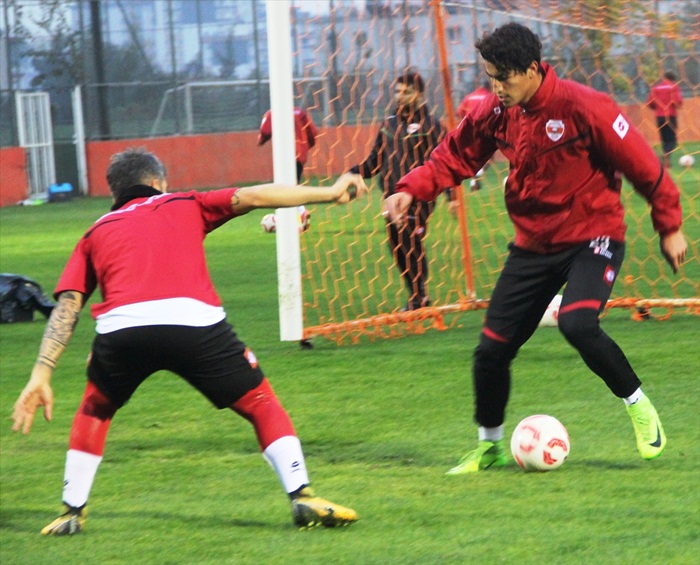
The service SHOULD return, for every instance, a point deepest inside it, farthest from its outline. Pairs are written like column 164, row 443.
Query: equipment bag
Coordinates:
column 20, row 297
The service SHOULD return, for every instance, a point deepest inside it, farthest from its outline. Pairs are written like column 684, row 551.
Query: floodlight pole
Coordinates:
column 279, row 49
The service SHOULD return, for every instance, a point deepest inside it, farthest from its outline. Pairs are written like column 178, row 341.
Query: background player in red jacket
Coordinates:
column 469, row 103
column 665, row 98
column 565, row 144
column 160, row 311
column 305, row 138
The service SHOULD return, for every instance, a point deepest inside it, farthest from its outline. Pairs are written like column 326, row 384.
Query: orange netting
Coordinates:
column 352, row 287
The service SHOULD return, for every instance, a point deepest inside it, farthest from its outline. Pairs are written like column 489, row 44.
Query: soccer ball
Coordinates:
column 686, row 161
column 540, row 443
column 269, row 223
column 551, row 314
column 304, row 219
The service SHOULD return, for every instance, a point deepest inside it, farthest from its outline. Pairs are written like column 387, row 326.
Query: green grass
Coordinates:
column 380, row 423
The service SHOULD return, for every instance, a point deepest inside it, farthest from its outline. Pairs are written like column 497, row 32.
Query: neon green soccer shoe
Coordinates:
column 651, row 439
column 487, row 455
column 72, row 521
column 310, row 511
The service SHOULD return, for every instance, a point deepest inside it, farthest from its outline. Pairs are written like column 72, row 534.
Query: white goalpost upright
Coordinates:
column 279, row 46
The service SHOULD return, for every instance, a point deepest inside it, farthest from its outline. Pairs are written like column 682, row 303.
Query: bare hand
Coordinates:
column 453, row 207
column 673, row 248
column 349, row 186
column 37, row 393
column 396, row 207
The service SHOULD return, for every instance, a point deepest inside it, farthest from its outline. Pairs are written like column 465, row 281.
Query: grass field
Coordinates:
column 380, row 422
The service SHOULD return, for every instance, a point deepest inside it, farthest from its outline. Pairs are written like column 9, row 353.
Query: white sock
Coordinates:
column 633, row 398
column 286, row 458
column 80, row 471
column 491, row 434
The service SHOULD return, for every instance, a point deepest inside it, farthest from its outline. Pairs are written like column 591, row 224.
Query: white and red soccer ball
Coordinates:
column 551, row 314
column 269, row 222
column 686, row 161
column 540, row 443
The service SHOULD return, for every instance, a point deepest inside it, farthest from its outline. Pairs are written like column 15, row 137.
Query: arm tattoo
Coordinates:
column 235, row 200
column 60, row 327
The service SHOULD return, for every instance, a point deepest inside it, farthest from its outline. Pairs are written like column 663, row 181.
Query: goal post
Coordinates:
column 351, row 287
column 284, row 168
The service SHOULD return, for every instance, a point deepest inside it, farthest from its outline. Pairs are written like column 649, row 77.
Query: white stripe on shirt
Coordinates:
column 167, row 312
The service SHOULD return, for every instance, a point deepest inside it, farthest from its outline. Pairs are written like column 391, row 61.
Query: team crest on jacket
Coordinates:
column 621, row 126
column 555, row 129
column 413, row 128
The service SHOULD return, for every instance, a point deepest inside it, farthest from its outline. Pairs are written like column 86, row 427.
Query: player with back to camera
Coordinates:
column 304, row 139
column 404, row 142
column 160, row 311
column 665, row 99
column 469, row 103
column 565, row 144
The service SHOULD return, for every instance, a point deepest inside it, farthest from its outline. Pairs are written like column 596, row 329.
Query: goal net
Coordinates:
column 351, row 284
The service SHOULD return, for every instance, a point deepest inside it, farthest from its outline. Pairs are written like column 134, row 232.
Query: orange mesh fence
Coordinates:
column 352, row 286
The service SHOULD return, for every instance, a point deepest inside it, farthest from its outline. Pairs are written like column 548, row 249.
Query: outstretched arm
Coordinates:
column 277, row 195
column 37, row 392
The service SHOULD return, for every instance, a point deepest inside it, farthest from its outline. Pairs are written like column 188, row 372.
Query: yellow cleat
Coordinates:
column 651, row 439
column 72, row 521
column 310, row 511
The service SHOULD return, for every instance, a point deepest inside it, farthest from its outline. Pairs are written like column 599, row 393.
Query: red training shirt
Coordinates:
column 665, row 99
column 565, row 148
column 150, row 249
column 304, row 133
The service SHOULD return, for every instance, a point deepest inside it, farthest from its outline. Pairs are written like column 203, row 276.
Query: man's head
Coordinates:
column 135, row 166
column 670, row 76
column 512, row 56
column 408, row 91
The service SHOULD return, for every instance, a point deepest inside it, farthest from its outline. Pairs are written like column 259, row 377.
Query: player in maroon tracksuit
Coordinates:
column 566, row 145
column 160, row 311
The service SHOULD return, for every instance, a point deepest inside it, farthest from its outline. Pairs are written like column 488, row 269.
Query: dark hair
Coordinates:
column 511, row 47
column 131, row 167
column 670, row 76
column 411, row 77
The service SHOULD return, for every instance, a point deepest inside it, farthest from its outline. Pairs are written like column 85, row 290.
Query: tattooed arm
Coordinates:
column 58, row 332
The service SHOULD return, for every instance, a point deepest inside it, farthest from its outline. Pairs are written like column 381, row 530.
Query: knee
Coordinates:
column 579, row 325
column 96, row 404
column 492, row 352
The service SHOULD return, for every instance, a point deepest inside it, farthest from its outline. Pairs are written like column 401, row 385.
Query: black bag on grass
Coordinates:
column 20, row 297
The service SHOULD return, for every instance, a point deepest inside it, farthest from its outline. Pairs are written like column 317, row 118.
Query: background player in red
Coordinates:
column 160, row 311
column 305, row 138
column 565, row 144
column 468, row 103
column 665, row 99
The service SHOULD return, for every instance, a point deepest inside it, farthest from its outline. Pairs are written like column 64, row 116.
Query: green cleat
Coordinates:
column 310, row 511
column 72, row 521
column 651, row 439
column 488, row 454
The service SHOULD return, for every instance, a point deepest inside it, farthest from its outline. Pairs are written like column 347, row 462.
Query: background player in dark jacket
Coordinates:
column 404, row 142
column 565, row 144
column 159, row 311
